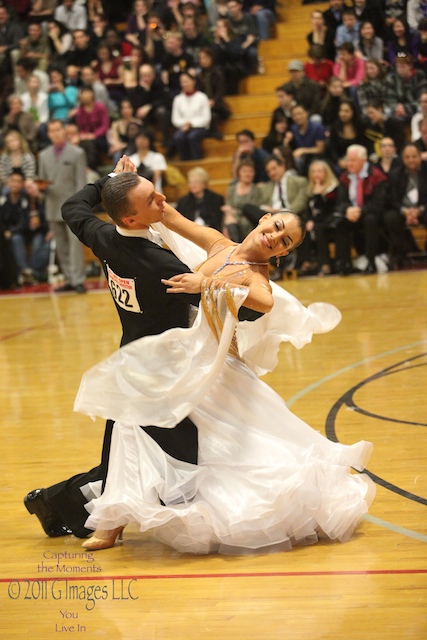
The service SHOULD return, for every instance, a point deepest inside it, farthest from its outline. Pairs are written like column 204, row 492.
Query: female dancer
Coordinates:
column 265, row 480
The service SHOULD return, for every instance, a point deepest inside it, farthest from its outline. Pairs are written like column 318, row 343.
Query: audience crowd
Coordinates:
column 84, row 81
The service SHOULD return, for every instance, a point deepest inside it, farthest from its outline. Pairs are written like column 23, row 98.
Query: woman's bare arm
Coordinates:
column 203, row 237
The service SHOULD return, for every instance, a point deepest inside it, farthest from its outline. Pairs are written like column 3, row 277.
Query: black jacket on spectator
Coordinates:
column 208, row 208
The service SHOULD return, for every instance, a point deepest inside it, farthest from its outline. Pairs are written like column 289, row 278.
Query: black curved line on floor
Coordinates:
column 347, row 399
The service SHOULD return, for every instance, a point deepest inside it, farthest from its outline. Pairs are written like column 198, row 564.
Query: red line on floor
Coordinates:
column 181, row 576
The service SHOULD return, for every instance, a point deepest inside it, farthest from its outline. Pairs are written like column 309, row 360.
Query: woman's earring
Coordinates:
column 277, row 261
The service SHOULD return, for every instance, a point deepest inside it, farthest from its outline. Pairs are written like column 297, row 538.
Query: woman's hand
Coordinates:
column 185, row 283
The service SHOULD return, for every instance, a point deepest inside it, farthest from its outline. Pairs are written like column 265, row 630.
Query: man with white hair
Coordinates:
column 360, row 205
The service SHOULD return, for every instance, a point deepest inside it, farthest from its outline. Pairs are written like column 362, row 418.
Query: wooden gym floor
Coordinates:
column 365, row 380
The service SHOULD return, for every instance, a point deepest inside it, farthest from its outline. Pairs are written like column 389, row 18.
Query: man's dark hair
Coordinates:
column 115, row 194
column 347, row 46
column 245, row 132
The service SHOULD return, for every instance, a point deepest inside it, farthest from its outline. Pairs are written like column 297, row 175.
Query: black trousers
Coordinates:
column 68, row 500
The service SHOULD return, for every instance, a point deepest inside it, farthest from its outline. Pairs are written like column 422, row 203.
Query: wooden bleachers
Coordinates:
column 253, row 107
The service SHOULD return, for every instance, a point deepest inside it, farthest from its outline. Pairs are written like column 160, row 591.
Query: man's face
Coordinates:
column 80, row 39
column 354, row 162
column 388, row 148
column 147, row 203
column 87, row 76
column 275, row 171
column 15, row 183
column 349, row 21
column 56, row 133
column 34, row 32
column 246, row 144
column 411, row 158
column 234, row 9
column 146, row 74
column 3, row 16
column 403, row 69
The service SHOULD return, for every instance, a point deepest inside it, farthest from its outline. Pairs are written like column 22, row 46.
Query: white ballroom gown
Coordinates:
column 265, row 480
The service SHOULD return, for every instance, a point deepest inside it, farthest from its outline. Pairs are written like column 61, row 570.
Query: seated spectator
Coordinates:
column 388, row 160
column 130, row 72
column 404, row 85
column 286, row 100
column 92, row 119
column 36, row 46
column 393, row 9
column 308, row 139
column 23, row 221
column 321, row 35
column 193, row 39
column 16, row 155
column 372, row 86
column 191, row 117
column 119, row 47
column 360, row 205
column 369, row 44
column 370, row 11
column 401, row 40
column 42, row 10
column 11, row 35
column 378, row 126
column 333, row 16
column 175, row 61
column 322, row 191
column 242, row 192
column 284, row 190
column 318, row 68
column 25, row 67
column 420, row 115
column 348, row 31
column 415, row 11
column 278, row 135
column 330, row 105
column 117, row 134
column 61, row 98
column 72, row 15
column 136, row 27
column 98, row 27
column 246, row 150
column 110, row 72
column 150, row 100
column 88, row 78
column 146, row 157
column 212, row 82
column 244, row 26
column 349, row 68
column 264, row 13
column 201, row 204
column 409, row 198
column 83, row 53
column 35, row 102
column 421, row 143
column 305, row 91
column 60, row 42
column 19, row 120
column 346, row 131
column 229, row 54
column 422, row 45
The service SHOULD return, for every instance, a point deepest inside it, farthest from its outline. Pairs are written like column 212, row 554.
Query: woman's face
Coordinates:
column 367, row 31
column 372, row 70
column 187, row 83
column 140, row 7
column 316, row 20
column 336, row 88
column 205, row 60
column 398, row 28
column 318, row 172
column 246, row 174
column 103, row 54
column 56, row 77
column 281, row 126
column 126, row 110
column 345, row 113
column 276, row 235
column 12, row 142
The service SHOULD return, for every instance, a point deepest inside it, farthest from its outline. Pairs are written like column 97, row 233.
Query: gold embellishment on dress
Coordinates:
column 207, row 312
column 230, row 301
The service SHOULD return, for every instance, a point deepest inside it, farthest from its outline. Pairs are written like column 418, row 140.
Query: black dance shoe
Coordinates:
column 50, row 521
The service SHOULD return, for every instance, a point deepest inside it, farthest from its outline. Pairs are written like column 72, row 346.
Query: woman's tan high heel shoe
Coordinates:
column 103, row 539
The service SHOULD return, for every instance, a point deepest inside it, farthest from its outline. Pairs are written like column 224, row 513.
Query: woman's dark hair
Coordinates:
column 115, row 196
column 149, row 134
column 356, row 119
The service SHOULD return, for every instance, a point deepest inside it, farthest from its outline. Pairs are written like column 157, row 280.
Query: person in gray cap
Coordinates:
column 306, row 91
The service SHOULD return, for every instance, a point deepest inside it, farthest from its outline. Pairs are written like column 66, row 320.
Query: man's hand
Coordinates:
column 353, row 213
column 185, row 283
column 125, row 164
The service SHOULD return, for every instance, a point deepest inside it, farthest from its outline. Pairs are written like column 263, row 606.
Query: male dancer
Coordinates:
column 134, row 265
